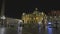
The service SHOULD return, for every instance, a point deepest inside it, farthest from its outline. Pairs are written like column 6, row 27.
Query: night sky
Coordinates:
column 14, row 8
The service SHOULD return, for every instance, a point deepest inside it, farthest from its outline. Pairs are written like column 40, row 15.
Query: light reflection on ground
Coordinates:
column 50, row 30
column 47, row 30
column 2, row 30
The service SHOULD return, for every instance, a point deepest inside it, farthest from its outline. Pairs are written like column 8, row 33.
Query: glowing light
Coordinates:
column 20, row 21
column 3, row 17
column 36, row 17
column 42, row 18
column 39, row 22
column 49, row 22
column 42, row 13
column 23, row 13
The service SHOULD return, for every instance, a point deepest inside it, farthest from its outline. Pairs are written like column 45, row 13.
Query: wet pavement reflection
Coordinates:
column 2, row 30
column 46, row 30
column 49, row 30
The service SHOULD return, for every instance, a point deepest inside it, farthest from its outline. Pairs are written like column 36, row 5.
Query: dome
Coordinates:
column 36, row 11
column 36, row 8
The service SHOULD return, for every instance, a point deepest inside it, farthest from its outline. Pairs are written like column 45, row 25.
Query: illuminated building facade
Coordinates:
column 35, row 17
column 54, row 17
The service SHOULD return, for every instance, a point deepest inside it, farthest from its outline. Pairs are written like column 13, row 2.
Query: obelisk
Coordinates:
column 3, row 8
column 2, row 12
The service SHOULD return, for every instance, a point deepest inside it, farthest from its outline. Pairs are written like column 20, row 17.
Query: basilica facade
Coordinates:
column 35, row 17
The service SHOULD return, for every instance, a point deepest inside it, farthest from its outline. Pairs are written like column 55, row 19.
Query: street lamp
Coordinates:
column 20, row 26
column 3, row 19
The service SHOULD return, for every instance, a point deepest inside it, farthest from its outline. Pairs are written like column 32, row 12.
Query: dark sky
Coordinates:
column 14, row 8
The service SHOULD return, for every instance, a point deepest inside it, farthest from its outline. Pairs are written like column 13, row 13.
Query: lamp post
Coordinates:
column 3, row 20
column 20, row 24
column 3, row 29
